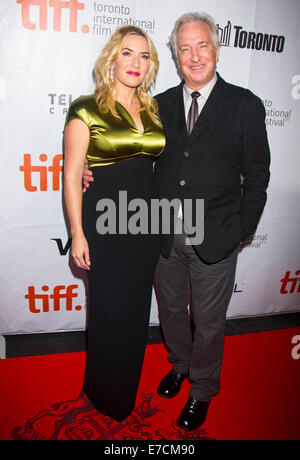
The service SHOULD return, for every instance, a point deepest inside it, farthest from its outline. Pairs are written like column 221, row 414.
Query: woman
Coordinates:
column 118, row 130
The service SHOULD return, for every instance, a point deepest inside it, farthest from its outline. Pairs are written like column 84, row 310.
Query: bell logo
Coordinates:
column 58, row 5
column 59, row 292
column 289, row 284
column 28, row 169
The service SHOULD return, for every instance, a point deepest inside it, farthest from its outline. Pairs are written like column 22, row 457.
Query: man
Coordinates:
column 215, row 134
column 228, row 140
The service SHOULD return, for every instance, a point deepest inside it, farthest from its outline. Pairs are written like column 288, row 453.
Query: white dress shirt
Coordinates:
column 201, row 100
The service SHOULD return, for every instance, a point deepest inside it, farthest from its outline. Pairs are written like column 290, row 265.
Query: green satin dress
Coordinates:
column 122, row 263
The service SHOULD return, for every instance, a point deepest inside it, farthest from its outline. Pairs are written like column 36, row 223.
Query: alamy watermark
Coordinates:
column 296, row 347
column 162, row 214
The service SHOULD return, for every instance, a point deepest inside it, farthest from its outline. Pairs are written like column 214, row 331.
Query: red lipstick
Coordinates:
column 136, row 74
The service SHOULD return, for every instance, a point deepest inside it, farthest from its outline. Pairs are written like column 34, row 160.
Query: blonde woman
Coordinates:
column 118, row 131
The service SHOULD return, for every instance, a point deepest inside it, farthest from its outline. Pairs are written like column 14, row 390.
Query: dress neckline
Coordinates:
column 131, row 120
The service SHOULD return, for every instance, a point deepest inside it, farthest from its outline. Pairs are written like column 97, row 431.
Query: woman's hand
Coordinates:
column 87, row 177
column 80, row 252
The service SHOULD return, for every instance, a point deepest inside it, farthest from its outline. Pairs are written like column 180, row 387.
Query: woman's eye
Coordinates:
column 145, row 56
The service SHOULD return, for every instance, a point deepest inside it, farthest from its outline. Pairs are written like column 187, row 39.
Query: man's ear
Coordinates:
column 218, row 53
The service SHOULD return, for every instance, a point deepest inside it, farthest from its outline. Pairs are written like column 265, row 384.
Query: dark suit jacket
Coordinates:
column 228, row 140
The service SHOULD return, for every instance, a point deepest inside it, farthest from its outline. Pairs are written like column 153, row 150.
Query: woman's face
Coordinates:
column 132, row 63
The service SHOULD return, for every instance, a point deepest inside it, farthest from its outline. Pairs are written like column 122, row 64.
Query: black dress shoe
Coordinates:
column 171, row 384
column 193, row 414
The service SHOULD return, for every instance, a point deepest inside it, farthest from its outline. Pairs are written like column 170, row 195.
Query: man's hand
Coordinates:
column 87, row 177
column 246, row 242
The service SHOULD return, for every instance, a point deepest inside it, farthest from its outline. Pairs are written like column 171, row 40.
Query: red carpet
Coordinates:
column 40, row 397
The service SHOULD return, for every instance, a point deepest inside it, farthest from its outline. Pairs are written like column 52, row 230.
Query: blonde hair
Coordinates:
column 106, row 94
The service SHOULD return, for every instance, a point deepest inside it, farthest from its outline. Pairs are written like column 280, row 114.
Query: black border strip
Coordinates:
column 23, row 345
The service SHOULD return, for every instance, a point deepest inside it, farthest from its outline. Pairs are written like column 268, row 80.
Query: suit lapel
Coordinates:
column 176, row 109
column 209, row 112
column 176, row 112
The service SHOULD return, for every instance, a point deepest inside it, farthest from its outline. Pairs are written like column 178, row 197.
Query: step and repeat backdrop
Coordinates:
column 47, row 52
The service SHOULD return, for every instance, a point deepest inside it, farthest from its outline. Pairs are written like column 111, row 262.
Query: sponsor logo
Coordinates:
column 59, row 103
column 61, row 298
column 237, row 289
column 42, row 171
column 257, row 41
column 290, row 284
column 63, row 250
column 225, row 33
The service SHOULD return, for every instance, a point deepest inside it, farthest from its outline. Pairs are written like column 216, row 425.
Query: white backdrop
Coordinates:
column 47, row 52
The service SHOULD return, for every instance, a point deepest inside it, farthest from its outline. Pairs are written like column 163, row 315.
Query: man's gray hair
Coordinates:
column 190, row 17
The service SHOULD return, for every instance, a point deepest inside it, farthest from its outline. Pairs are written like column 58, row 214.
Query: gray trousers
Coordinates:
column 183, row 279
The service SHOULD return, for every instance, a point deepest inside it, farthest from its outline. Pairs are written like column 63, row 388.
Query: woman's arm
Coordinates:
column 76, row 145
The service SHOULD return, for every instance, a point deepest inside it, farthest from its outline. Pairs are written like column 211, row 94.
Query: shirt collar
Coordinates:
column 205, row 91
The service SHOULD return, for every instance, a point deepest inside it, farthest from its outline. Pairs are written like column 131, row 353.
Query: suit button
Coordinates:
column 182, row 183
column 186, row 154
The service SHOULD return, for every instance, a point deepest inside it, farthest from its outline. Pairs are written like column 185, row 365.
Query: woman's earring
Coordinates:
column 112, row 73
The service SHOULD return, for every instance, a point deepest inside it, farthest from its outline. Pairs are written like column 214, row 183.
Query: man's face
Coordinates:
column 197, row 55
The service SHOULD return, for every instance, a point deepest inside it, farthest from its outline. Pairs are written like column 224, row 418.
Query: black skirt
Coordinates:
column 120, row 285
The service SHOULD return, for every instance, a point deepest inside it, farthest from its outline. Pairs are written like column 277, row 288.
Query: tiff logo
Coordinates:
column 289, row 283
column 55, row 169
column 58, row 5
column 59, row 293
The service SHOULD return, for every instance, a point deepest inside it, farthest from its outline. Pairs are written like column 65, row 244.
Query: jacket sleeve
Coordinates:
column 255, row 165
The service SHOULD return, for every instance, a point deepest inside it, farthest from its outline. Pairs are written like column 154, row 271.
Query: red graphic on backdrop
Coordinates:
column 78, row 420
column 61, row 292
column 58, row 5
column 55, row 169
column 289, row 284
